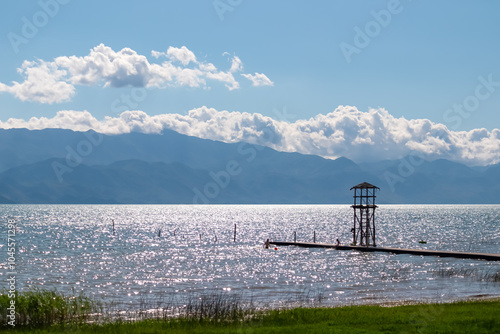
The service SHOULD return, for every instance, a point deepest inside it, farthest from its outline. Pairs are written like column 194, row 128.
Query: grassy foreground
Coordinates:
column 219, row 315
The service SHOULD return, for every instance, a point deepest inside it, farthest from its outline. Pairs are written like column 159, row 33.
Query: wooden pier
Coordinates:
column 425, row 252
column 363, row 232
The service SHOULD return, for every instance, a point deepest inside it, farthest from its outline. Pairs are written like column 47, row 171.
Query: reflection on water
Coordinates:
column 72, row 247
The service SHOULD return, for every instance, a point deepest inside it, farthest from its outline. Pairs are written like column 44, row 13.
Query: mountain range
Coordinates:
column 62, row 166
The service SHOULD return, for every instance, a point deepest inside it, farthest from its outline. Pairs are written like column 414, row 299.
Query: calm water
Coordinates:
column 72, row 248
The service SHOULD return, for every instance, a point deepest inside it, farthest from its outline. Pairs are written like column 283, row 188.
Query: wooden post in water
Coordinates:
column 314, row 239
column 234, row 233
column 295, row 236
column 113, row 226
column 159, row 233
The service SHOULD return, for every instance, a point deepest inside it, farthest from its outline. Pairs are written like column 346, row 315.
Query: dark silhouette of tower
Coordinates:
column 363, row 231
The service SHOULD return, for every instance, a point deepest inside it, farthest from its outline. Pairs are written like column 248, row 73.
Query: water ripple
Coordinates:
column 73, row 247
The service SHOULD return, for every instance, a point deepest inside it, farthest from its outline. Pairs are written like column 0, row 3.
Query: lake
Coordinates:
column 72, row 248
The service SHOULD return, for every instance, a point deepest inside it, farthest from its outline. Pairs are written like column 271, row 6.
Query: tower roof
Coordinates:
column 365, row 185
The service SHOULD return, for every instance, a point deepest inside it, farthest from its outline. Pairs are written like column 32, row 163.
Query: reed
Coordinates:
column 37, row 308
column 215, row 307
column 472, row 273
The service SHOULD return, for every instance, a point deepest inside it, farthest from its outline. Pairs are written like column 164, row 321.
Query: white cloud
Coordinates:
column 183, row 55
column 42, row 83
column 55, row 81
column 64, row 119
column 116, row 69
column 236, row 65
column 362, row 136
column 259, row 79
column 226, row 77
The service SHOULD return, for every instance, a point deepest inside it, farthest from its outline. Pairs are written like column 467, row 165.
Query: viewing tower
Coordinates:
column 363, row 231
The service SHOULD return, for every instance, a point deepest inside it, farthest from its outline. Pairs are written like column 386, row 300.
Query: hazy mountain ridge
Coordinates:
column 63, row 166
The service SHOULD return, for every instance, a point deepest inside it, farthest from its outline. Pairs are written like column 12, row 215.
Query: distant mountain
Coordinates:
column 440, row 181
column 131, row 181
column 63, row 166
column 21, row 146
column 136, row 181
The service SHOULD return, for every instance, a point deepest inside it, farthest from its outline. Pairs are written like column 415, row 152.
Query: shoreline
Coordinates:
column 433, row 301
column 477, row 315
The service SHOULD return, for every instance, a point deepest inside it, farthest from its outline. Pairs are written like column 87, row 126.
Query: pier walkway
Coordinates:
column 461, row 255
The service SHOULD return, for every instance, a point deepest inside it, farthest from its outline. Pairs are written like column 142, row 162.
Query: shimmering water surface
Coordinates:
column 72, row 248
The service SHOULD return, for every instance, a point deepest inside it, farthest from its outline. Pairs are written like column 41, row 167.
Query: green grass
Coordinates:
column 222, row 313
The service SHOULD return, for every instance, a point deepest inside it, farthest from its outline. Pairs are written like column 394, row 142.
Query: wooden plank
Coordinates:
column 424, row 252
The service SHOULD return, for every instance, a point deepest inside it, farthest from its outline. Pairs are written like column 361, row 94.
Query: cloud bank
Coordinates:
column 361, row 136
column 55, row 81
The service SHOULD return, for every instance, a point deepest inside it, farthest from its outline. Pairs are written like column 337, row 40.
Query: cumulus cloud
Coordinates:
column 259, row 79
column 361, row 136
column 43, row 82
column 183, row 55
column 55, row 81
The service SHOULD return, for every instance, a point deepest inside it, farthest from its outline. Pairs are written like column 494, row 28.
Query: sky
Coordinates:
column 425, row 73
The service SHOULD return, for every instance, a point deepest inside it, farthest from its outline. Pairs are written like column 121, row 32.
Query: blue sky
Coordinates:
column 427, row 57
